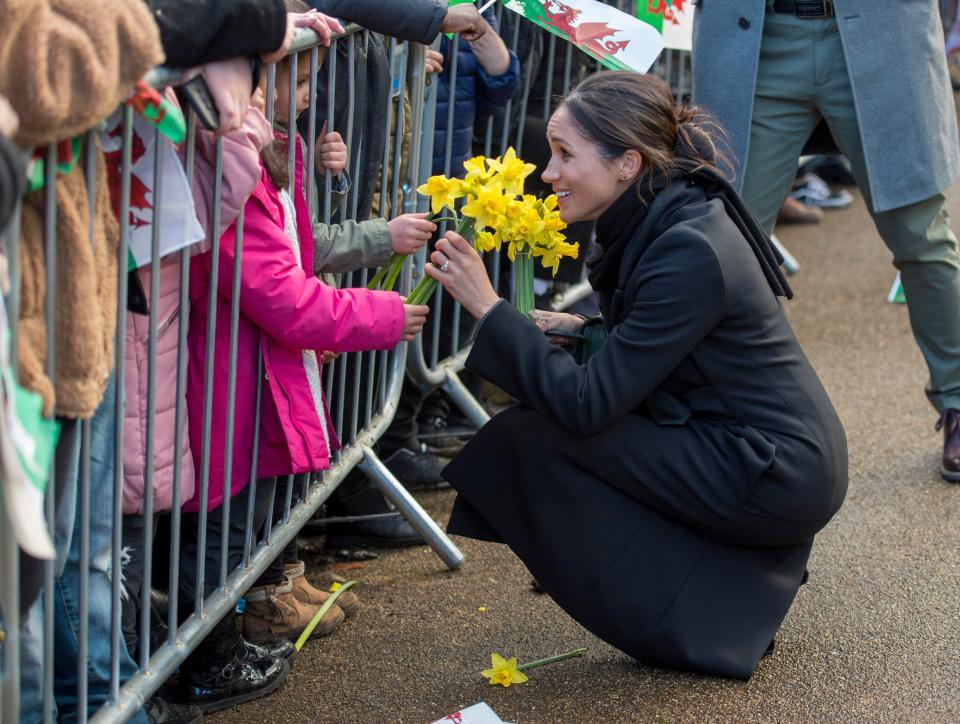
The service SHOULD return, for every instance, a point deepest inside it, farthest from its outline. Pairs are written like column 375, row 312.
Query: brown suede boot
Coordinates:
column 273, row 612
column 304, row 591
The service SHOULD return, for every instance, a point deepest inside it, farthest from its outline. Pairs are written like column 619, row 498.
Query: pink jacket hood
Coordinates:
column 283, row 310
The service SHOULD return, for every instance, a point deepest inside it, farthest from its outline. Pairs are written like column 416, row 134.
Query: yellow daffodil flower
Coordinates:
column 511, row 171
column 442, row 191
column 485, row 241
column 477, row 171
column 551, row 255
column 489, row 203
column 503, row 672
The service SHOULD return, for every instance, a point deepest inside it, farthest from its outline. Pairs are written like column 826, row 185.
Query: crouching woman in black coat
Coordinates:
column 665, row 493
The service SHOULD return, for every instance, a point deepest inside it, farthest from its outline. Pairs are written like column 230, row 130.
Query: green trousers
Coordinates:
column 802, row 78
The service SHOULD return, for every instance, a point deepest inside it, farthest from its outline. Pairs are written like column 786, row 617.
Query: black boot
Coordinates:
column 219, row 675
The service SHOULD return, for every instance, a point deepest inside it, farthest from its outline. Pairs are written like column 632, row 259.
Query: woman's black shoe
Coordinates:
column 237, row 682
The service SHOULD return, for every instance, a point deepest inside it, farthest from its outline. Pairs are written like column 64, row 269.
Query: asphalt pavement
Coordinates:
column 874, row 636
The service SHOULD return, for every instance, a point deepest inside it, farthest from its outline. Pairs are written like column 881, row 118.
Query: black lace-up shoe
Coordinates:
column 949, row 422
column 236, row 682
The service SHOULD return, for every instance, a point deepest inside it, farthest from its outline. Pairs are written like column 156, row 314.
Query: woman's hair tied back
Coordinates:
column 621, row 110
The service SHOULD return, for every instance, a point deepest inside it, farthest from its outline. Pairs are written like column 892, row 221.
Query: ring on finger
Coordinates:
column 445, row 266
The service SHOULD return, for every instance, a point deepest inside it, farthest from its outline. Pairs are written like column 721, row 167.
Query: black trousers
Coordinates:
column 274, row 572
column 220, row 643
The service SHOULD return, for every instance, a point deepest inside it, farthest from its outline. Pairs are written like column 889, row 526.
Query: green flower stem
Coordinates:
column 552, row 659
column 427, row 285
column 386, row 278
column 523, row 283
column 322, row 612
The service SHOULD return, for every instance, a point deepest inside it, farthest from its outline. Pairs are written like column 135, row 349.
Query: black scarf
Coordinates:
column 617, row 225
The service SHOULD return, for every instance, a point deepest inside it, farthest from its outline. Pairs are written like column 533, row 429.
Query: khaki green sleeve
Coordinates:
column 350, row 246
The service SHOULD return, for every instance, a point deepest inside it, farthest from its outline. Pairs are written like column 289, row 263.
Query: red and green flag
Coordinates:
column 673, row 19
column 617, row 40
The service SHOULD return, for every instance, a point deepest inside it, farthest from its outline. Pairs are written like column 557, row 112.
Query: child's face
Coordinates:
column 282, row 106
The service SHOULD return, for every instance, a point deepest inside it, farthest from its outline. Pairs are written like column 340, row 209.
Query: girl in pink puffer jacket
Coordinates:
column 287, row 319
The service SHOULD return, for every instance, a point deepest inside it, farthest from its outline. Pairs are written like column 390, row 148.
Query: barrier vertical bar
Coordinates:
column 83, row 490
column 548, row 91
column 9, row 549
column 119, row 370
column 231, row 391
column 144, row 638
column 254, row 458
column 50, row 252
column 178, row 418
column 208, row 380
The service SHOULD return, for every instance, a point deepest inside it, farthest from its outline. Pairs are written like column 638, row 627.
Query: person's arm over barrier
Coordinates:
column 420, row 21
column 202, row 31
column 416, row 20
column 498, row 74
column 65, row 66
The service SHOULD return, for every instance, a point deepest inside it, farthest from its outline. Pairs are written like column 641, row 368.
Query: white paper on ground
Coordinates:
column 479, row 713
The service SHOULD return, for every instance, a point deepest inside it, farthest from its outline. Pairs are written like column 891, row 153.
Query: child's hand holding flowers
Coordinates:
column 409, row 232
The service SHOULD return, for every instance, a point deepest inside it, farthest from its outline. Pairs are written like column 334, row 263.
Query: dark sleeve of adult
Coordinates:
column 12, row 178
column 679, row 299
column 416, row 20
column 202, row 31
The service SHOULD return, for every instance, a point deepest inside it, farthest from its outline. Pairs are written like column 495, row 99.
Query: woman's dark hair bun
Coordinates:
column 695, row 133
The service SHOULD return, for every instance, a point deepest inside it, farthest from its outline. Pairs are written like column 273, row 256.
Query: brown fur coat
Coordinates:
column 65, row 65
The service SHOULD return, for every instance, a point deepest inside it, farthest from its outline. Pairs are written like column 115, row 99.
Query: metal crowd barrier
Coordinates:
column 358, row 420
column 372, row 379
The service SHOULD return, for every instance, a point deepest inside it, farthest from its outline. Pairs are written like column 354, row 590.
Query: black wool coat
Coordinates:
column 667, row 493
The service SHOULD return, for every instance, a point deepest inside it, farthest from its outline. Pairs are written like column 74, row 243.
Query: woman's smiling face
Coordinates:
column 584, row 181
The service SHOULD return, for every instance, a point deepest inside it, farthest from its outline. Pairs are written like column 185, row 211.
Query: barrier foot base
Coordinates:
column 394, row 491
column 790, row 263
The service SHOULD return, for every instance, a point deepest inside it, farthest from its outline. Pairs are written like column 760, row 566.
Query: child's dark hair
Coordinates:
column 274, row 157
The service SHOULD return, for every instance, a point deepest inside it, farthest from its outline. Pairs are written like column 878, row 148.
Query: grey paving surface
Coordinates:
column 875, row 635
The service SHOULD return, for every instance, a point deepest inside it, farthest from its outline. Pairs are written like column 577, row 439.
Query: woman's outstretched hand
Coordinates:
column 460, row 270
column 414, row 317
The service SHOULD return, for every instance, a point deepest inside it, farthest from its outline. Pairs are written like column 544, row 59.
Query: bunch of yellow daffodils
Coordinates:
column 495, row 212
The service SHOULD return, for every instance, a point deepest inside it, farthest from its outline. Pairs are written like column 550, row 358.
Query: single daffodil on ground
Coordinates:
column 504, row 671
column 507, row 671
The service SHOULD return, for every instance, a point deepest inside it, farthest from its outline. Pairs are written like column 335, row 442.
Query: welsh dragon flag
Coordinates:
column 673, row 19
column 617, row 40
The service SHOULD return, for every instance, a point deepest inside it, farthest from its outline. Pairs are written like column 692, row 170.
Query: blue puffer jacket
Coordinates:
column 477, row 95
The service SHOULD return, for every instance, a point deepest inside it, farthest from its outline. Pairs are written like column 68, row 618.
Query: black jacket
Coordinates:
column 202, row 31
column 667, row 493
column 415, row 20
